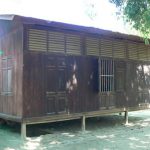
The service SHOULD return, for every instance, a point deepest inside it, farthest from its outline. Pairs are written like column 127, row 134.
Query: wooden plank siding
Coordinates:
column 33, row 85
column 81, row 71
column 11, row 40
column 81, row 95
column 57, row 70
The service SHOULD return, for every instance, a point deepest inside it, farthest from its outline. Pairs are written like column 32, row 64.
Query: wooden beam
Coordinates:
column 10, row 117
column 64, row 117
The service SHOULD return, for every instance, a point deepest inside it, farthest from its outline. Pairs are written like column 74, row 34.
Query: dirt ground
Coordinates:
column 102, row 133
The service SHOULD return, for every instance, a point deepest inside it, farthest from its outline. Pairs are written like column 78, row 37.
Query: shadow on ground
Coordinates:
column 102, row 133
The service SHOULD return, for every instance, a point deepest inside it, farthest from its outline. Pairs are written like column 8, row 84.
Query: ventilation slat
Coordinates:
column 133, row 51
column 92, row 46
column 39, row 34
column 106, row 48
column 119, row 49
column 37, row 37
column 37, row 40
column 56, row 42
column 73, row 44
column 73, row 52
column 142, row 52
column 73, row 47
column 36, row 46
column 148, row 53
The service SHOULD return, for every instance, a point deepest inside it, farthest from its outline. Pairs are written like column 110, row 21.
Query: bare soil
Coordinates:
column 102, row 133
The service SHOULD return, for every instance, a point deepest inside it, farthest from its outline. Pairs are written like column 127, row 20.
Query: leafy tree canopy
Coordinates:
column 137, row 13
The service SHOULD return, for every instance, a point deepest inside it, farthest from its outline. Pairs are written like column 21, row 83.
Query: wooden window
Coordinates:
column 92, row 46
column 133, row 51
column 148, row 53
column 73, row 44
column 106, row 75
column 119, row 49
column 106, row 48
column 142, row 52
column 56, row 42
column 37, row 40
column 7, row 64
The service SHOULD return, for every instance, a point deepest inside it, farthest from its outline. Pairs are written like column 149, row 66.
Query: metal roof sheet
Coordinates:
column 90, row 30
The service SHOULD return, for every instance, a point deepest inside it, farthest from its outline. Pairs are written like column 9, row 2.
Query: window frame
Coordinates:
column 6, row 85
column 106, row 76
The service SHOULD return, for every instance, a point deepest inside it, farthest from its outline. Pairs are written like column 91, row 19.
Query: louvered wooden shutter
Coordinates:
column 133, row 51
column 119, row 49
column 106, row 48
column 73, row 44
column 56, row 42
column 37, row 40
column 148, row 53
column 92, row 46
column 142, row 52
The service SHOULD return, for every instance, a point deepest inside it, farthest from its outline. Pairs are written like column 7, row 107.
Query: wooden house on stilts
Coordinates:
column 51, row 71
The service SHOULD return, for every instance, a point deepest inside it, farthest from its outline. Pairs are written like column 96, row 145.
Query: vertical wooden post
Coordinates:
column 120, row 114
column 126, row 117
column 23, row 130
column 83, row 123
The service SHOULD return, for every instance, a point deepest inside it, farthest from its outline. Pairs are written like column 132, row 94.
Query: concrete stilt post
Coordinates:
column 23, row 130
column 83, row 123
column 126, row 117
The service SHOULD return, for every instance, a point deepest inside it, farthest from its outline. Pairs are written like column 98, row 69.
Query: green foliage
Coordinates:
column 117, row 2
column 137, row 13
column 91, row 10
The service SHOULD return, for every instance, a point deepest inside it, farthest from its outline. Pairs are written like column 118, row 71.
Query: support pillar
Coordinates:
column 126, row 117
column 120, row 114
column 83, row 123
column 23, row 130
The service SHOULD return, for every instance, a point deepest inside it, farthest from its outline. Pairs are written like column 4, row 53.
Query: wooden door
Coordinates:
column 61, row 84
column 56, row 84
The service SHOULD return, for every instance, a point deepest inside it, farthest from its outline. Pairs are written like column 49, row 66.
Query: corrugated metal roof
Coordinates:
column 90, row 30
column 7, row 17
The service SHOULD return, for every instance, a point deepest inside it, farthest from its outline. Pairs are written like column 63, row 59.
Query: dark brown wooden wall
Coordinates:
column 137, row 85
column 84, row 96
column 45, row 83
column 80, row 96
column 44, row 69
column 11, row 46
column 34, row 85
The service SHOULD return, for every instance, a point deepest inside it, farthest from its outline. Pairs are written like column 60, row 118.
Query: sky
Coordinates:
column 68, row 11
